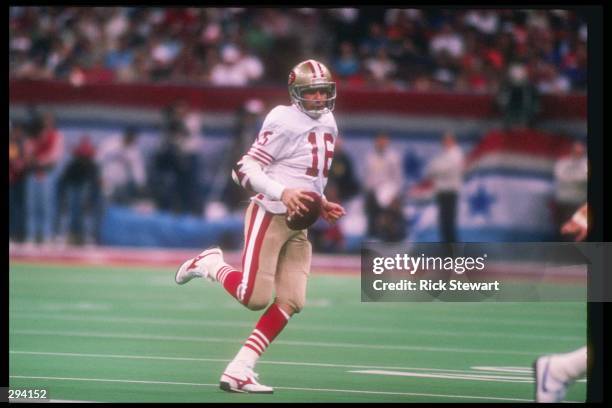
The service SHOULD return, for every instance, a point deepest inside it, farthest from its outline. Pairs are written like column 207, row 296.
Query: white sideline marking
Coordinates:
column 283, row 342
column 280, row 388
column 449, row 376
column 512, row 369
column 191, row 322
column 292, row 363
column 505, row 369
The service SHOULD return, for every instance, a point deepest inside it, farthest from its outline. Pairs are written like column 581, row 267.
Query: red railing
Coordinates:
column 228, row 99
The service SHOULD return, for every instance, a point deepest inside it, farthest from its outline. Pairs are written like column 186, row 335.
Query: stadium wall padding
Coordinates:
column 123, row 226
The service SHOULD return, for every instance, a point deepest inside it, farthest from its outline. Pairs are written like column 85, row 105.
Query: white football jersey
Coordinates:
column 295, row 150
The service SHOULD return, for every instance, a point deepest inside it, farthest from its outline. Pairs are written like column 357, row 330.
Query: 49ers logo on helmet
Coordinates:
column 291, row 77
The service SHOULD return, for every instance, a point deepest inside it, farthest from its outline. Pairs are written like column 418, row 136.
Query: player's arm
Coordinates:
column 577, row 225
column 249, row 173
column 266, row 149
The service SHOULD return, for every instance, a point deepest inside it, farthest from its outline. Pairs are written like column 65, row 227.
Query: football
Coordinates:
column 304, row 221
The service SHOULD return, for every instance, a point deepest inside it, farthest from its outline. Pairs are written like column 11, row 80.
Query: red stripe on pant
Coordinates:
column 265, row 223
column 232, row 279
column 249, row 230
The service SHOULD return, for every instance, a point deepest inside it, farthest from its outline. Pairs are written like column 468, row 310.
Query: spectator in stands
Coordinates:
column 79, row 189
column 447, row 42
column 122, row 168
column 251, row 64
column 446, row 172
column 550, row 81
column 235, row 68
column 574, row 63
column 344, row 21
column 381, row 68
column 518, row 98
column 121, row 56
column 193, row 122
column 164, row 164
column 341, row 174
column 383, row 183
column 347, row 63
column 190, row 146
column 485, row 21
column 179, row 44
column 445, row 72
column 473, row 77
column 18, row 161
column 190, row 64
column 392, row 224
column 172, row 180
column 571, row 173
column 164, row 50
column 374, row 41
column 47, row 147
column 143, row 67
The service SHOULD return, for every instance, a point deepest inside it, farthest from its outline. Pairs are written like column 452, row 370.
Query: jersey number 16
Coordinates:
column 313, row 170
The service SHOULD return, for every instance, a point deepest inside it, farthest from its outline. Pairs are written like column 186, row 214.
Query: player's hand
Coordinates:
column 573, row 228
column 292, row 198
column 331, row 212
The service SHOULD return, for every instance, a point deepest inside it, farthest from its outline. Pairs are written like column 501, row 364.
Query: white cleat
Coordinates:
column 547, row 387
column 204, row 265
column 240, row 377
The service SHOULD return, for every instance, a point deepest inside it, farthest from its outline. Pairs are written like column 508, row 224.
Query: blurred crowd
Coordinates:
column 459, row 50
column 59, row 195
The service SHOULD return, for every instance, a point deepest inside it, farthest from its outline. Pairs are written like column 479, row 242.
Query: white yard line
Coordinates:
column 453, row 376
column 449, row 376
column 278, row 342
column 199, row 323
column 572, row 322
column 218, row 360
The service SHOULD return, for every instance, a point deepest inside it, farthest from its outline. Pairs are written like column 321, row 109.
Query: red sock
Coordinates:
column 271, row 323
column 230, row 279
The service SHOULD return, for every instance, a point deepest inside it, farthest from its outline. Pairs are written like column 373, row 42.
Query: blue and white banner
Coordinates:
column 507, row 194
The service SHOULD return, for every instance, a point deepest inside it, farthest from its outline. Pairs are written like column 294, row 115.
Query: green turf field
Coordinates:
column 131, row 334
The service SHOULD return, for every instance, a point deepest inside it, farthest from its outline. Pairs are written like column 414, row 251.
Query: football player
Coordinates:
column 291, row 155
column 555, row 372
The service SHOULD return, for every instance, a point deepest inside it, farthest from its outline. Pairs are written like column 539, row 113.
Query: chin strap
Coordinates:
column 314, row 115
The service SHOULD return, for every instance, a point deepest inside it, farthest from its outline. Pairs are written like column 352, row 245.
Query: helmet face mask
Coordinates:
column 310, row 76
